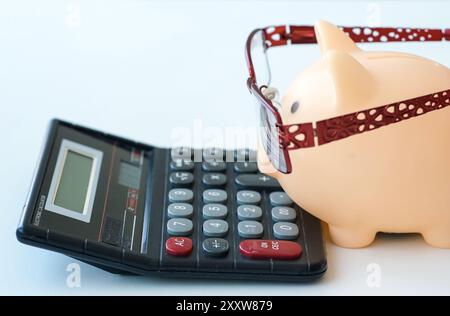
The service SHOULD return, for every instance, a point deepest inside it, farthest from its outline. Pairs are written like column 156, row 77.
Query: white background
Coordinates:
column 141, row 68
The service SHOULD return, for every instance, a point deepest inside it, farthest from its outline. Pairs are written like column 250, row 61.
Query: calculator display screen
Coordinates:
column 74, row 182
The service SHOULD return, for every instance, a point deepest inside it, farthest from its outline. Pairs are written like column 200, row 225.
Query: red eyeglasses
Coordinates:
column 278, row 139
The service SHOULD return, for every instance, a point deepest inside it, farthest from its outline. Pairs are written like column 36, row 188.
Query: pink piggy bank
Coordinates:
column 393, row 179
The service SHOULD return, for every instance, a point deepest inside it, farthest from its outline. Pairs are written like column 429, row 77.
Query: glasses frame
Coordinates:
column 311, row 134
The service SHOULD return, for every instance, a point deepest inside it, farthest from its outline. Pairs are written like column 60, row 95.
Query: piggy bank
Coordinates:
column 394, row 179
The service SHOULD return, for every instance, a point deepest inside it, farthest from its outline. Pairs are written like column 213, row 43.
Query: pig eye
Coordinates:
column 295, row 106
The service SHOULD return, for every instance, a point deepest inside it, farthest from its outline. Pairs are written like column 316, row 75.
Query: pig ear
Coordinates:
column 352, row 81
column 331, row 37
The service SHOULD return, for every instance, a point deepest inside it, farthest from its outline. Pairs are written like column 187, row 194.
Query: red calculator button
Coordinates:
column 179, row 246
column 270, row 249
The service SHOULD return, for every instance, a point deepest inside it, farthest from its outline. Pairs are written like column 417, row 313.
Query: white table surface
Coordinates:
column 141, row 68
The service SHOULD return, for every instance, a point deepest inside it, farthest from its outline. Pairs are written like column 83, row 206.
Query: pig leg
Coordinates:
column 351, row 237
column 438, row 236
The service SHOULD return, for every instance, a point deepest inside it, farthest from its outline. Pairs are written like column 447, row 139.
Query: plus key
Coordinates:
column 256, row 181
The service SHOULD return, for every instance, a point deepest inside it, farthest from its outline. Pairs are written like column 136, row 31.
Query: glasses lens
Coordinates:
column 259, row 59
column 270, row 140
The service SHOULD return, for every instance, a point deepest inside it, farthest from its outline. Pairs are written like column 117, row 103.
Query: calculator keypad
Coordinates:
column 280, row 198
column 250, row 229
column 256, row 181
column 215, row 228
column 181, row 153
column 179, row 246
column 245, row 167
column 180, row 195
column 283, row 214
column 249, row 212
column 214, row 179
column 208, row 229
column 181, row 165
column 244, row 154
column 213, row 154
column 270, row 249
column 248, row 197
column 179, row 226
column 285, row 230
column 183, row 210
column 214, row 211
column 215, row 247
column 181, row 178
column 215, row 196
column 214, row 166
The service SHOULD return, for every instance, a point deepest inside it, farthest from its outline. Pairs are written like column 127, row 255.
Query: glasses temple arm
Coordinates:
column 305, row 34
column 296, row 136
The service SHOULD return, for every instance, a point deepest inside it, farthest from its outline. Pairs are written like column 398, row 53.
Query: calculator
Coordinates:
column 131, row 208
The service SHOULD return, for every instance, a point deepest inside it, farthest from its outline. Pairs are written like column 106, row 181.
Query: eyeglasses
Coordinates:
column 279, row 139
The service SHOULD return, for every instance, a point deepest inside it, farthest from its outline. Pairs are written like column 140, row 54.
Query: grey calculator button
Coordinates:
column 280, row 198
column 244, row 154
column 215, row 247
column 245, row 167
column 214, row 178
column 179, row 226
column 213, row 154
column 250, row 229
column 181, row 165
column 180, row 210
column 249, row 212
column 214, row 166
column 180, row 195
column 214, row 211
column 181, row 153
column 214, row 196
column 283, row 214
column 215, row 228
column 285, row 230
column 248, row 197
column 256, row 181
column 181, row 177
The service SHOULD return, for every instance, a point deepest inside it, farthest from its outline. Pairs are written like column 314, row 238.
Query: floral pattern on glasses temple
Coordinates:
column 296, row 136
column 294, row 34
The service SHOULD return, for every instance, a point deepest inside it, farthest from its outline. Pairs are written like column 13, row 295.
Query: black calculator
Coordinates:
column 131, row 208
